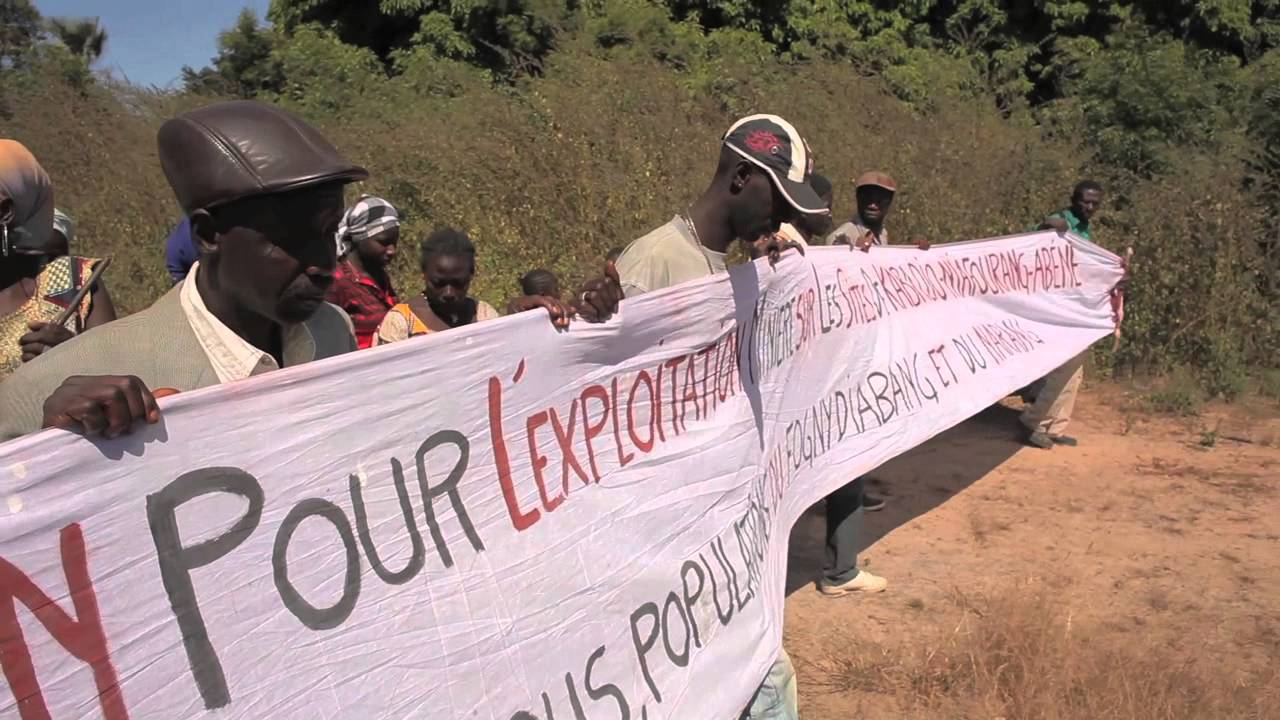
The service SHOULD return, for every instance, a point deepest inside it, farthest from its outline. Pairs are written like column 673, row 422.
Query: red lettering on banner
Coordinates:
column 656, row 413
column 624, row 458
column 690, row 390
column 708, row 390
column 677, row 414
column 592, row 431
column 645, row 445
column 564, row 436
column 520, row 520
column 82, row 636
column 539, row 461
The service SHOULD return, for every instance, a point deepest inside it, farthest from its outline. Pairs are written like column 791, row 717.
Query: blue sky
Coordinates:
column 148, row 41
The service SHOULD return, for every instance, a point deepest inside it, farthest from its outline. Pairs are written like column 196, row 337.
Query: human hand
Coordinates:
column 600, row 296
column 866, row 241
column 559, row 314
column 921, row 243
column 43, row 336
column 1058, row 224
column 1117, row 295
column 772, row 246
column 105, row 405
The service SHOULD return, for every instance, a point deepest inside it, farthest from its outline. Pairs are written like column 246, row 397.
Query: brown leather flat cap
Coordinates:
column 233, row 150
column 877, row 179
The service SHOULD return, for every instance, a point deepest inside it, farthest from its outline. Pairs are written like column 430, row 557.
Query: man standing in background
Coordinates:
column 1046, row 418
column 1086, row 199
column 875, row 192
column 761, row 181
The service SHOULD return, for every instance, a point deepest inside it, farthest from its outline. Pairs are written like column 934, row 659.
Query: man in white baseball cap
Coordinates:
column 761, row 182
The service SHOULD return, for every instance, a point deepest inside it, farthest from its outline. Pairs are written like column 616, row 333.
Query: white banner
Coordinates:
column 504, row 521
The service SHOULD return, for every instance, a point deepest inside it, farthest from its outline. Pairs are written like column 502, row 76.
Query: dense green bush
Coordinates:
column 986, row 112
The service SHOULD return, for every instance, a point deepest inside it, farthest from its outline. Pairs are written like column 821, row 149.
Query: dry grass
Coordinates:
column 1018, row 655
column 983, row 526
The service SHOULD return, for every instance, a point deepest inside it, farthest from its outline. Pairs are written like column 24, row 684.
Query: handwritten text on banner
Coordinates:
column 504, row 521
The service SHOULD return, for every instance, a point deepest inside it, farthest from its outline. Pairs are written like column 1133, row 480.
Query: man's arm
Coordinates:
column 1054, row 222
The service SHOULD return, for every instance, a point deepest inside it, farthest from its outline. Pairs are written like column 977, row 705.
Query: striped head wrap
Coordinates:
column 369, row 216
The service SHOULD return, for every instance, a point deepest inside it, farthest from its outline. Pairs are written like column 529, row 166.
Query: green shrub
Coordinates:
column 609, row 141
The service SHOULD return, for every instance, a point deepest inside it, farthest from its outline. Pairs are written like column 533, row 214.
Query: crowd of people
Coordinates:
column 271, row 270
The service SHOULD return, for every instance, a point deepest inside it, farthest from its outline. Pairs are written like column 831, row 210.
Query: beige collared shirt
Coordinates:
column 667, row 256
column 231, row 356
column 854, row 230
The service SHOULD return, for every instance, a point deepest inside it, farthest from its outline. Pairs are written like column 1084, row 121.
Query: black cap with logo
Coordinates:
column 775, row 146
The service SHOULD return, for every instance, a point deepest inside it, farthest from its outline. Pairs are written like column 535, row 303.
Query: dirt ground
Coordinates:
column 1157, row 538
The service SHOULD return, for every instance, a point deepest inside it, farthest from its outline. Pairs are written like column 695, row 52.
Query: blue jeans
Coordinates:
column 776, row 697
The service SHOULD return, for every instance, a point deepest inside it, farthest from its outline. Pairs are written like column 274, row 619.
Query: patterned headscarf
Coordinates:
column 369, row 216
column 26, row 183
column 63, row 223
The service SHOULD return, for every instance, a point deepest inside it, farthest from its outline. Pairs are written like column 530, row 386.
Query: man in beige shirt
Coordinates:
column 263, row 191
column 874, row 191
column 761, row 181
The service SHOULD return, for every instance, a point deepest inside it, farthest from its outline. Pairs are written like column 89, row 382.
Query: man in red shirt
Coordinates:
column 361, row 286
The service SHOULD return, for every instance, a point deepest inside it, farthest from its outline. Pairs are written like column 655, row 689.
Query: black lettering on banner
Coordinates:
column 606, row 690
column 692, row 597
column 865, row 408
column 746, row 552
column 308, row 614
column 573, row 698
column 722, row 615
column 448, row 487
column 418, row 556
column 969, row 352
column 644, row 646
column 881, row 396
column 717, row 548
column 680, row 659
column 929, row 391
column 177, row 562
column 842, row 413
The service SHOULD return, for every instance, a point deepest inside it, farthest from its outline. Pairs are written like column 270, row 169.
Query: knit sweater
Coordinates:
column 156, row 345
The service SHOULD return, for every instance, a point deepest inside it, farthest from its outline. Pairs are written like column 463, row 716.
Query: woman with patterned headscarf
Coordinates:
column 34, row 294
column 367, row 238
column 64, row 233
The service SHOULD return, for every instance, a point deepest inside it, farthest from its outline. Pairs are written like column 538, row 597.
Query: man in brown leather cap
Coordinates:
column 874, row 192
column 263, row 191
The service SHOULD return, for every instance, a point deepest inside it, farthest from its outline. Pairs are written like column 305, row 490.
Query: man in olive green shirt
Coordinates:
column 1047, row 417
